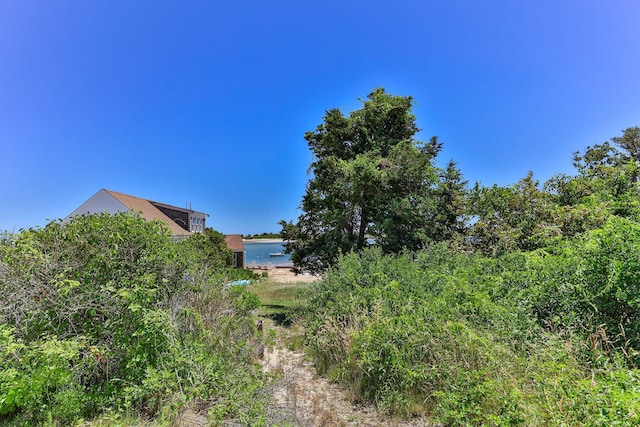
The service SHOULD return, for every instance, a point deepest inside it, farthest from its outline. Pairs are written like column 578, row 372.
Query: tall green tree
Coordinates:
column 629, row 142
column 370, row 181
column 451, row 212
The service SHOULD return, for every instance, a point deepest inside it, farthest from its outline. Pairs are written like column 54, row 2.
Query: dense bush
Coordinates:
column 463, row 339
column 108, row 313
column 587, row 285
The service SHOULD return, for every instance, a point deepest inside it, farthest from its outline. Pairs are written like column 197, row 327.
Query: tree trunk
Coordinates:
column 363, row 227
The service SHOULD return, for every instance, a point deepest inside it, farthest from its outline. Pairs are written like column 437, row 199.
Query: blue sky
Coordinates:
column 207, row 103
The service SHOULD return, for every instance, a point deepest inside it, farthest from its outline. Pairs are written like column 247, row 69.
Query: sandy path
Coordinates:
column 307, row 399
column 310, row 400
column 285, row 275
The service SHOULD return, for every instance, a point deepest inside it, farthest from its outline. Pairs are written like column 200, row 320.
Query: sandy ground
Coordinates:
column 306, row 399
column 262, row 240
column 285, row 275
column 309, row 400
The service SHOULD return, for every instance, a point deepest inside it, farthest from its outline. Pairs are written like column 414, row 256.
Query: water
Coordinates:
column 258, row 252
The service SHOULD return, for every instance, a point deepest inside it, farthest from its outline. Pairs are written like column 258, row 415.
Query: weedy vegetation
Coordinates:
column 532, row 339
column 107, row 318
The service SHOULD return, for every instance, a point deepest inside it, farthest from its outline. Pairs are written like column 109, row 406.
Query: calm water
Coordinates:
column 259, row 252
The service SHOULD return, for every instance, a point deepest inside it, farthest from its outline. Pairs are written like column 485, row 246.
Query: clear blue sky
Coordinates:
column 207, row 103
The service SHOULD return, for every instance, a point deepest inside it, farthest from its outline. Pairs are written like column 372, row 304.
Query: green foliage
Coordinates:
column 518, row 217
column 373, row 184
column 243, row 300
column 607, row 184
column 457, row 338
column 108, row 313
column 372, row 181
column 589, row 285
column 42, row 375
column 263, row 235
column 539, row 327
column 629, row 142
column 209, row 248
column 451, row 213
column 528, row 217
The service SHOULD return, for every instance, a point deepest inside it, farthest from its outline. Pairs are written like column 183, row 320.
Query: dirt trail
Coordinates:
column 310, row 400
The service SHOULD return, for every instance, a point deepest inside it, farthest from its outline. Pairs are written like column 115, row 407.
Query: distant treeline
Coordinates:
column 262, row 236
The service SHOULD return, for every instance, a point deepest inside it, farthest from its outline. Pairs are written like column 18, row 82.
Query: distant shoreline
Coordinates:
column 263, row 240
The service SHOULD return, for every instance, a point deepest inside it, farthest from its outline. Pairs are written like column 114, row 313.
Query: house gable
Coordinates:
column 100, row 202
column 114, row 202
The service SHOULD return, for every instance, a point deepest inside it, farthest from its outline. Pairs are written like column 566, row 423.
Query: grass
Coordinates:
column 281, row 303
column 280, row 298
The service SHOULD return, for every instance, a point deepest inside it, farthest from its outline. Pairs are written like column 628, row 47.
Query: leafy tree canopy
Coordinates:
column 526, row 216
column 371, row 181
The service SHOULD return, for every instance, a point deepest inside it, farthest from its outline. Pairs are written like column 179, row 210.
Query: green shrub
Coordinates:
column 462, row 339
column 108, row 313
column 42, row 376
column 587, row 286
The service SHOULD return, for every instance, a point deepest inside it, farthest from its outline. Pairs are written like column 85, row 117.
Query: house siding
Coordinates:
column 239, row 259
column 101, row 202
column 180, row 217
column 235, row 243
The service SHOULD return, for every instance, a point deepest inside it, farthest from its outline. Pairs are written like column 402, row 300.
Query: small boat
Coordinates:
column 276, row 254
